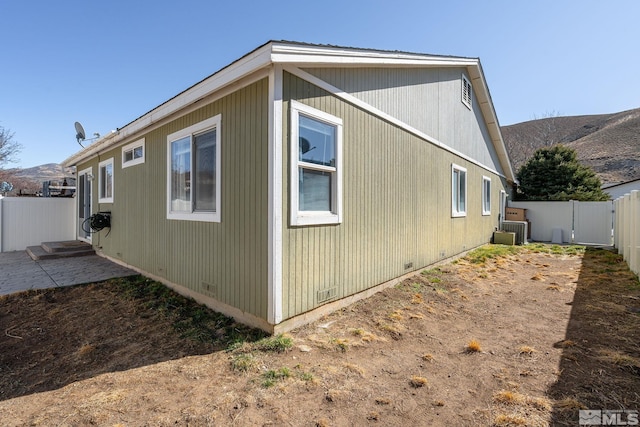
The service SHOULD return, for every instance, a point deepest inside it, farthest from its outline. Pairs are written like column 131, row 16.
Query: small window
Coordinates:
column 458, row 191
column 316, row 170
column 486, row 195
column 133, row 154
column 466, row 92
column 193, row 176
column 105, row 181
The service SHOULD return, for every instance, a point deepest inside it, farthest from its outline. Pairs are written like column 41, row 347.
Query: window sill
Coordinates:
column 195, row 216
column 315, row 219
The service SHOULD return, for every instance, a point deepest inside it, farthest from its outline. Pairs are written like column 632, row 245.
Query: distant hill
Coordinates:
column 42, row 173
column 608, row 143
column 29, row 181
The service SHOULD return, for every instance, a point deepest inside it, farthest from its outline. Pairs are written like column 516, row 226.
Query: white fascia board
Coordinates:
column 318, row 55
column 350, row 60
column 236, row 71
column 490, row 117
column 89, row 150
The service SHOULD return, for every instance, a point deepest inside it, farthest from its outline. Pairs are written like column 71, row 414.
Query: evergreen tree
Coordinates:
column 554, row 173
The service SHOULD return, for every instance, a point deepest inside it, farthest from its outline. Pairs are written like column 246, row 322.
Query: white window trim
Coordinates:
column 210, row 123
column 486, row 179
column 467, row 92
column 102, row 164
column 130, row 147
column 454, row 203
column 298, row 217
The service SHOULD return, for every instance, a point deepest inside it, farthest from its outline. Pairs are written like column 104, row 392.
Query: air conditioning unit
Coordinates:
column 518, row 227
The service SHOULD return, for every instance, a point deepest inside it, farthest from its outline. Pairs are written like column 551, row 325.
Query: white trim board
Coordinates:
column 275, row 217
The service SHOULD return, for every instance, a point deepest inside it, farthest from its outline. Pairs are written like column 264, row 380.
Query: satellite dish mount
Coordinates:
column 81, row 135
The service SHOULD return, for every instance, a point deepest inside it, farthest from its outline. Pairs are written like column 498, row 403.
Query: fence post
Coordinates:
column 634, row 260
column 1, row 223
column 623, row 217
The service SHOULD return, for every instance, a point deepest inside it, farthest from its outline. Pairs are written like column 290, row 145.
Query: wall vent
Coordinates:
column 518, row 227
column 326, row 294
column 210, row 289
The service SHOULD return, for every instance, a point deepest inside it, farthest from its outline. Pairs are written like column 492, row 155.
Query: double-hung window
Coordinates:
column 458, row 191
column 316, row 166
column 105, row 181
column 193, row 172
column 486, row 195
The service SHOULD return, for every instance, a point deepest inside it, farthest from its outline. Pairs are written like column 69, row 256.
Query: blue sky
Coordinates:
column 105, row 63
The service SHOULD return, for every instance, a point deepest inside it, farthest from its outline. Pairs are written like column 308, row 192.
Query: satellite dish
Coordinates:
column 80, row 135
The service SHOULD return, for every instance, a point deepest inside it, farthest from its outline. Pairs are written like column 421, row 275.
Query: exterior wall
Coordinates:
column 226, row 261
column 426, row 99
column 396, row 204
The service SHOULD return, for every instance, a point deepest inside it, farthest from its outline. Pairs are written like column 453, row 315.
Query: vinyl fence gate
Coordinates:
column 593, row 222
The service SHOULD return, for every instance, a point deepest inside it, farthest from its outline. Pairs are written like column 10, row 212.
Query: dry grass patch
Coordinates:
column 474, row 347
column 396, row 316
column 417, row 381
column 566, row 344
column 364, row 335
column 428, row 357
column 413, row 316
column 525, row 349
column 86, row 350
column 568, row 404
column 350, row 367
column 459, row 292
column 519, row 409
column 619, row 359
column 417, row 299
column 244, row 362
column 507, row 420
column 341, row 344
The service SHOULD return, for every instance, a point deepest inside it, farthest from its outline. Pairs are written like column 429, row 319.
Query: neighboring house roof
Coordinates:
column 620, row 184
column 620, row 189
column 303, row 54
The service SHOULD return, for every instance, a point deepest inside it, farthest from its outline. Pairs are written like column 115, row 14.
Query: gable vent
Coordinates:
column 467, row 90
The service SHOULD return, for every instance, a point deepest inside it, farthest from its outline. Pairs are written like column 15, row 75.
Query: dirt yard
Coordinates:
column 523, row 338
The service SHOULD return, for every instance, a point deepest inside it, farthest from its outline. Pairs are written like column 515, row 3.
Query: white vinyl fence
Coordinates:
column 29, row 221
column 576, row 222
column 627, row 229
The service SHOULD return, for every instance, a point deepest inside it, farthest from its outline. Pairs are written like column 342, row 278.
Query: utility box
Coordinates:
column 515, row 214
column 504, row 238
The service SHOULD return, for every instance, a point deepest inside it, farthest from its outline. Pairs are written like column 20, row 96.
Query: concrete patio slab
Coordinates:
column 18, row 272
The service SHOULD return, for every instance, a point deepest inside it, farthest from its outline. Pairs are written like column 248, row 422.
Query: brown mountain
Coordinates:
column 608, row 143
column 42, row 173
column 29, row 180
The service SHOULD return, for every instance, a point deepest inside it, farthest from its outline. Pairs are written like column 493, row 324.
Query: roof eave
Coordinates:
column 491, row 118
column 305, row 54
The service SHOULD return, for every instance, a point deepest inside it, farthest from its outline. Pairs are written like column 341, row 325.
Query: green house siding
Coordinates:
column 226, row 260
column 428, row 99
column 396, row 207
